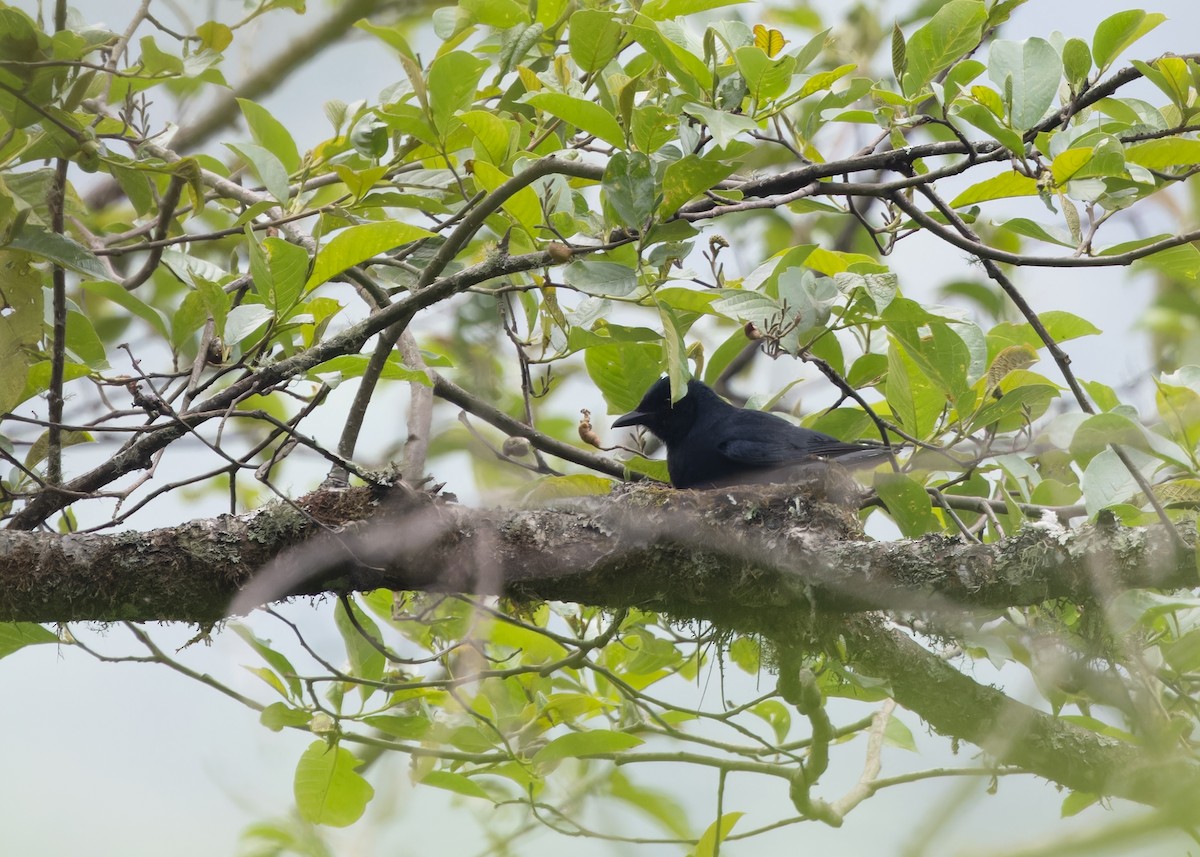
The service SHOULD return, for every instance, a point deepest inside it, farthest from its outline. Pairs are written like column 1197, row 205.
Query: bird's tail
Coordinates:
column 854, row 454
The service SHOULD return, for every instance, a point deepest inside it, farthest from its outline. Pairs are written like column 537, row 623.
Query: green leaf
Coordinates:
column 1003, row 186
column 59, row 249
column 1015, row 402
column 587, row 116
column 242, row 321
column 659, row 806
column 359, row 243
column 899, row 735
column 39, row 448
column 747, row 654
column 953, row 31
column 557, row 487
column 456, row 783
column 766, row 78
column 327, row 789
column 18, row 635
column 279, row 715
column 688, row 69
column 1077, row 63
column 593, row 37
column 623, row 372
column 674, row 351
column 1030, row 70
column 500, row 14
column 278, row 269
column 366, row 661
column 128, row 301
column 21, row 300
column 496, row 137
column 270, row 134
column 987, row 121
column 607, row 333
column 1066, row 164
column 1098, row 432
column 83, row 342
column 899, row 52
column 1181, row 263
column 214, row 35
column 524, row 205
column 723, row 125
column 453, row 78
column 1117, row 32
column 1059, row 324
column 1076, row 802
column 653, row 127
column 1171, row 75
column 881, row 289
column 1106, row 481
column 276, row 660
column 777, row 715
column 743, row 306
column 1030, row 229
column 355, row 366
column 940, row 354
column 264, row 163
column 628, row 190
column 734, row 345
column 915, row 401
column 37, row 381
column 574, row 745
column 662, row 10
column 715, row 834
column 908, row 503
column 687, row 177
column 1164, row 154
column 408, row 727
column 600, row 278
column 686, row 300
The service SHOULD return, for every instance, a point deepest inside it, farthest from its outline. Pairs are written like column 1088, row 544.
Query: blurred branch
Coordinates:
column 265, row 79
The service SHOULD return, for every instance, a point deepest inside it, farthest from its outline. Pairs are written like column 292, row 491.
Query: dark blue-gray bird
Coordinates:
column 712, row 444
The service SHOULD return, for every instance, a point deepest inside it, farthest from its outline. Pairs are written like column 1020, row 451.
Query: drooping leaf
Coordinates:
column 327, row 788
column 18, row 635
column 271, row 134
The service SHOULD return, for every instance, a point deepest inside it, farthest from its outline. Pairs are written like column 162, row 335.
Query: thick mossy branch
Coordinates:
column 1017, row 734
column 792, row 565
column 716, row 555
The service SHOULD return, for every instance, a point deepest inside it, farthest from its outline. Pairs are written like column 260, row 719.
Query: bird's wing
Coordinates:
column 780, row 450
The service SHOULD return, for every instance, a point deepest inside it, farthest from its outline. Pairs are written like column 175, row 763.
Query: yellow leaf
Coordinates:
column 770, row 40
column 1009, row 360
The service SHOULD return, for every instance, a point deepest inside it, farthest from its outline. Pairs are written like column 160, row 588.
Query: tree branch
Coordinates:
column 718, row 555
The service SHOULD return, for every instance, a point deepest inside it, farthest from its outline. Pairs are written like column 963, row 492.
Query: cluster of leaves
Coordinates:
column 542, row 181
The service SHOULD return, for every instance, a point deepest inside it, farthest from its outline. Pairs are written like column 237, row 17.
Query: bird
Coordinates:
column 712, row 444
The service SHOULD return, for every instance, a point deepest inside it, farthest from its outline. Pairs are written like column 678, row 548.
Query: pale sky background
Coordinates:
column 135, row 761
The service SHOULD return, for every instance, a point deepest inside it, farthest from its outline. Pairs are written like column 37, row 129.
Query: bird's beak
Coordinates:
column 633, row 418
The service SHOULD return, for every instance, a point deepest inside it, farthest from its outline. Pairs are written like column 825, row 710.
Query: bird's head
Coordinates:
column 659, row 415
